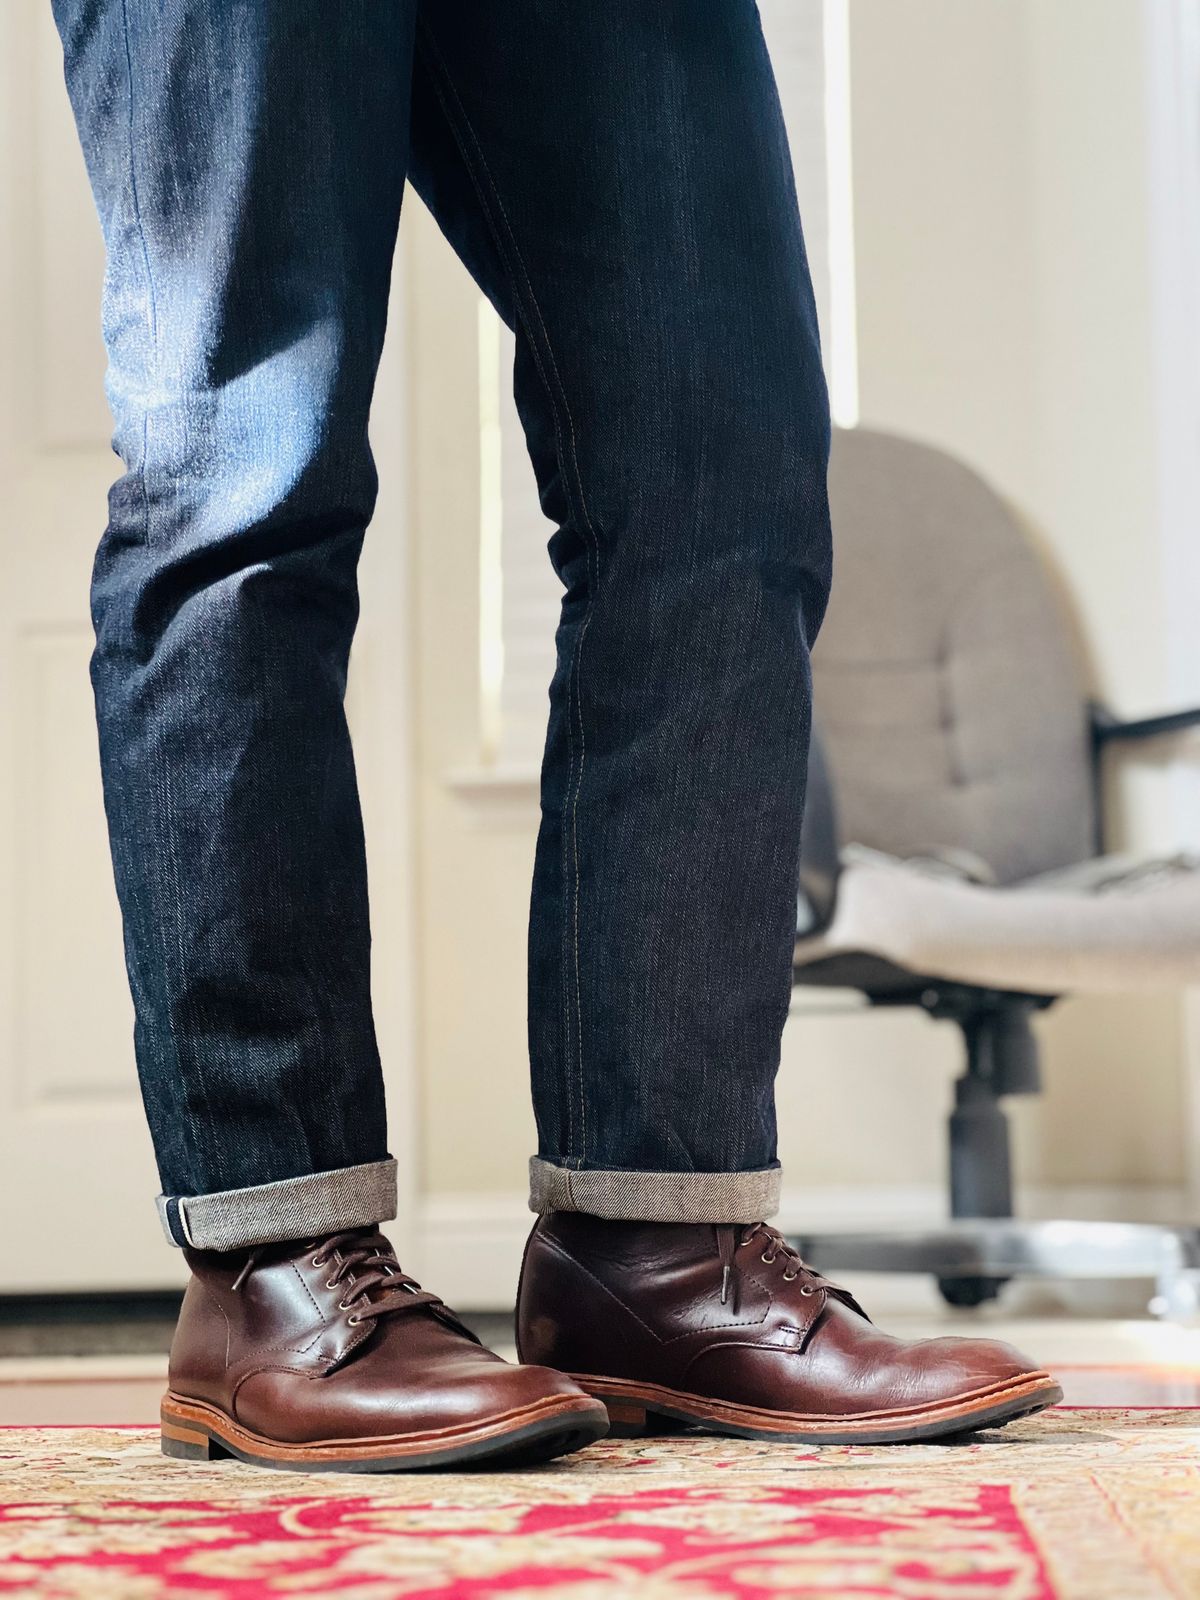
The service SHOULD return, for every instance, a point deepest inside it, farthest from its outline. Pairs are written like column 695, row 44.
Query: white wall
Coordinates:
column 475, row 850
column 1004, row 274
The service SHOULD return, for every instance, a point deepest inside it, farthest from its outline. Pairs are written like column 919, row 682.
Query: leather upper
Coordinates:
column 291, row 1358
column 643, row 1301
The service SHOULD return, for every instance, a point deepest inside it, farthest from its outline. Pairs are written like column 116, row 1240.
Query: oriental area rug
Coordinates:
column 1078, row 1504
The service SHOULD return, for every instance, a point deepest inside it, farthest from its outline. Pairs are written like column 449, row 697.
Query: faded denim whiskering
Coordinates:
column 617, row 180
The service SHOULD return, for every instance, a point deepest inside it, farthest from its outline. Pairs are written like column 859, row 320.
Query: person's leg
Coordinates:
column 618, row 180
column 248, row 159
column 624, row 193
column 247, row 162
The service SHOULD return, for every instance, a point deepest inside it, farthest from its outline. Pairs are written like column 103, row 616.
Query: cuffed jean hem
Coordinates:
column 656, row 1196
column 294, row 1208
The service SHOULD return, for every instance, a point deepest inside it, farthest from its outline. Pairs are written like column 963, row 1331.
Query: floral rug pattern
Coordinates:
column 1078, row 1504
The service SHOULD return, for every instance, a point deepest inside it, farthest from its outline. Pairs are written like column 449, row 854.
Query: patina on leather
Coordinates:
column 729, row 1327
column 327, row 1348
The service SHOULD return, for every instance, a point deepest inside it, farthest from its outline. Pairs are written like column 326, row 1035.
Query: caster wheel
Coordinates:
column 969, row 1291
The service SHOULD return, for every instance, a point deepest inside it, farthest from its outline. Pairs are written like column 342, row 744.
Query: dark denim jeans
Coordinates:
column 617, row 179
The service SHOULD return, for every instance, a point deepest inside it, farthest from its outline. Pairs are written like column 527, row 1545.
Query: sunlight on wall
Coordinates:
column 842, row 360
column 491, row 534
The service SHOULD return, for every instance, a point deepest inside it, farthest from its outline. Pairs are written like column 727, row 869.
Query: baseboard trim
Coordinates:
column 468, row 1246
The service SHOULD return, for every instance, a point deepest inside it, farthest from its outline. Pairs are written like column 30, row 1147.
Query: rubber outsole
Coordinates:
column 194, row 1431
column 639, row 1409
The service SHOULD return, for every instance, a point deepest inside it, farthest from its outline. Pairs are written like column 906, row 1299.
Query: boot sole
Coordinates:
column 636, row 1409
column 555, row 1426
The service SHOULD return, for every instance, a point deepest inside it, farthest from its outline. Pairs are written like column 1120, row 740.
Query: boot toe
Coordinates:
column 385, row 1392
column 945, row 1368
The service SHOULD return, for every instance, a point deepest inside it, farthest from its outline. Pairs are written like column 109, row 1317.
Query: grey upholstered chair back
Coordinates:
column 946, row 685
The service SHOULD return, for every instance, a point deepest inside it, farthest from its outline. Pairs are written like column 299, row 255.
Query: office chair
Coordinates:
column 953, row 846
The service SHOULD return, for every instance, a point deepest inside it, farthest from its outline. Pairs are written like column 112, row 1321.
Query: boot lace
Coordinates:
column 773, row 1247
column 362, row 1266
column 374, row 1284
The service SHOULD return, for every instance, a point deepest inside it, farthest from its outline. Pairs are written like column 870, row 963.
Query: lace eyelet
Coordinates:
column 332, row 1283
column 353, row 1320
column 770, row 1260
column 343, row 1305
column 790, row 1277
column 319, row 1261
column 807, row 1289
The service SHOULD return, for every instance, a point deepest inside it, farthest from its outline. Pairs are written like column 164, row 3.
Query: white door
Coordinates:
column 75, row 1159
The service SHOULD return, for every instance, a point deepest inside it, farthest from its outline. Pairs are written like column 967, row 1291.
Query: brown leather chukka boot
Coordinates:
column 727, row 1327
column 325, row 1356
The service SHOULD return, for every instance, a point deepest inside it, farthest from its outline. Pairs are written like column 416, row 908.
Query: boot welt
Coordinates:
column 635, row 1408
column 553, row 1426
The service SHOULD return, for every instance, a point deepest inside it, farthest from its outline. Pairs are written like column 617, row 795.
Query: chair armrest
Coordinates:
column 820, row 860
column 1107, row 729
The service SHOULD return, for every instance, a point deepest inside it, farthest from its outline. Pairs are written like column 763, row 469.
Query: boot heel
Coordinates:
column 197, row 1447
column 629, row 1417
column 629, row 1420
column 626, row 1420
column 184, row 1441
column 186, row 1445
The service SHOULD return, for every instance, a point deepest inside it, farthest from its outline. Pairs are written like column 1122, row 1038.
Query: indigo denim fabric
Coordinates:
column 617, row 180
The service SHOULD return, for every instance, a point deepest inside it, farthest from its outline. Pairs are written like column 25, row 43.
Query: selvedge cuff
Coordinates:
column 656, row 1196
column 293, row 1208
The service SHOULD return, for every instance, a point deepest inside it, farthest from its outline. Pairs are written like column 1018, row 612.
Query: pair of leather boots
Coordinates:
column 325, row 1355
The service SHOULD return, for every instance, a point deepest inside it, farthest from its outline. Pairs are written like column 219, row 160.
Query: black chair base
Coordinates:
column 982, row 1247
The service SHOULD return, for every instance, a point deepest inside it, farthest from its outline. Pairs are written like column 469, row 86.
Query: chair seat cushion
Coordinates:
column 1113, row 924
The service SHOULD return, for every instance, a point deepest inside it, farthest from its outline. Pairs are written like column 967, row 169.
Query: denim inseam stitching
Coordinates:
column 586, row 522
column 152, row 309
